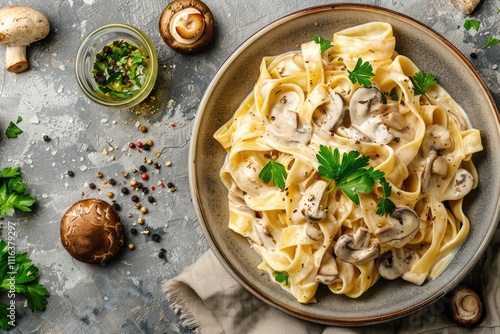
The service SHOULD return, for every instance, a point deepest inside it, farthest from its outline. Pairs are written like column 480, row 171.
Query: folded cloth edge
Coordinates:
column 179, row 305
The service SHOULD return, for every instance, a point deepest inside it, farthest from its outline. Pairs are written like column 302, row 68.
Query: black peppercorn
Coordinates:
column 134, row 198
column 46, row 138
column 142, row 168
column 112, row 182
column 155, row 237
column 92, row 185
column 71, row 173
column 170, row 185
column 146, row 147
column 151, row 199
column 133, row 231
column 116, row 206
column 124, row 190
column 145, row 190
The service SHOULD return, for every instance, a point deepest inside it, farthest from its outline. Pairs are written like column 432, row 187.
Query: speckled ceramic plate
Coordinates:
column 433, row 54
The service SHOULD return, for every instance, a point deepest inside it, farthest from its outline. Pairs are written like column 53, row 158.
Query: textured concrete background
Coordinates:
column 124, row 296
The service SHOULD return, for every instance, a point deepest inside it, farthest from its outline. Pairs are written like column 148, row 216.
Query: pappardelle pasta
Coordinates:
column 357, row 100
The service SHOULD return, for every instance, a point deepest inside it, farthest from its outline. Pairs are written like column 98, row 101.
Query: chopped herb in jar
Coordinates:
column 119, row 69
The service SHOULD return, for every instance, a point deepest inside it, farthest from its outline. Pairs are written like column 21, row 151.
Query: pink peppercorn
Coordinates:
column 139, row 144
column 131, row 145
column 144, row 176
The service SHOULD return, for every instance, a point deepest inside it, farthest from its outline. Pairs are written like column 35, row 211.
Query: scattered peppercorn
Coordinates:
column 110, row 194
column 150, row 142
column 99, row 175
column 131, row 246
column 124, row 190
column 71, row 173
column 139, row 144
column 157, row 165
column 144, row 176
column 133, row 231
column 145, row 190
column 134, row 170
column 149, row 161
column 155, row 237
column 170, row 185
column 142, row 168
column 46, row 138
column 135, row 198
column 141, row 221
column 144, row 209
column 131, row 145
column 473, row 55
column 112, row 182
column 146, row 147
column 92, row 185
column 116, row 206
column 162, row 254
column 151, row 199
column 143, row 129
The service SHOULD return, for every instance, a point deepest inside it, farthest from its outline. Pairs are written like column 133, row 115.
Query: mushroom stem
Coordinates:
column 15, row 59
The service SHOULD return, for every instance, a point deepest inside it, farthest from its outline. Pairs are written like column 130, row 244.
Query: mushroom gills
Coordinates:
column 188, row 25
column 328, row 271
column 332, row 112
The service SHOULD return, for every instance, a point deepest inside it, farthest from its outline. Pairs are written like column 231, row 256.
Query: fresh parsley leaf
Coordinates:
column 12, row 192
column 491, row 41
column 351, row 175
column 281, row 278
column 362, row 73
column 394, row 94
column 325, row 44
column 471, row 23
column 13, row 130
column 24, row 274
column 274, row 171
column 421, row 81
column 385, row 205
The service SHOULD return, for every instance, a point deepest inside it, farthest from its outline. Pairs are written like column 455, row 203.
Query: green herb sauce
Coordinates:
column 120, row 69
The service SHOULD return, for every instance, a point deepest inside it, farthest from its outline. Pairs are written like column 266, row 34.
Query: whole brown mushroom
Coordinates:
column 19, row 27
column 91, row 231
column 464, row 306
column 186, row 25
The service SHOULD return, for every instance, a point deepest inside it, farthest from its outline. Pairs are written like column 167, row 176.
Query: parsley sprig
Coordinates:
column 421, row 81
column 274, row 171
column 13, row 130
column 12, row 192
column 325, row 44
column 352, row 177
column 362, row 73
column 472, row 24
column 20, row 271
column 491, row 41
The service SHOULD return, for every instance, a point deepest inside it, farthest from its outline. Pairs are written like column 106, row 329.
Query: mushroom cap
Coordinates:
column 465, row 306
column 91, row 231
column 21, row 26
column 196, row 8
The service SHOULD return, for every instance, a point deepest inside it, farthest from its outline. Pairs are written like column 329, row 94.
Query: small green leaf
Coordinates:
column 362, row 73
column 472, row 24
column 491, row 41
column 13, row 130
column 325, row 44
column 274, row 171
column 281, row 277
column 421, row 81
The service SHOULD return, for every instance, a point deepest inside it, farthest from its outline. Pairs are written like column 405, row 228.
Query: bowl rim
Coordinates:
column 86, row 45
column 193, row 178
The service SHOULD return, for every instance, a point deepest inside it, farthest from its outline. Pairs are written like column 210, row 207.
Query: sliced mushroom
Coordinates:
column 314, row 232
column 394, row 120
column 436, row 137
column 328, row 271
column 356, row 248
column 19, row 27
column 332, row 113
column 186, row 25
column 397, row 262
column 310, row 205
column 434, row 164
column 366, row 109
column 460, row 186
column 353, row 133
column 402, row 227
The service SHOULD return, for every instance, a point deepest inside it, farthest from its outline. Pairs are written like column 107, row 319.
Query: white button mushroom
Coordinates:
column 356, row 248
column 460, row 186
column 328, row 271
column 402, row 227
column 310, row 204
column 332, row 112
column 19, row 27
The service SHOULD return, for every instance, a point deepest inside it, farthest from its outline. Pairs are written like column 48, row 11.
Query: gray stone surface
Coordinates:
column 125, row 296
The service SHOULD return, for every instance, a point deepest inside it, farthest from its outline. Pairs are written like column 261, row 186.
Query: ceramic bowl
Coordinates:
column 94, row 43
column 432, row 53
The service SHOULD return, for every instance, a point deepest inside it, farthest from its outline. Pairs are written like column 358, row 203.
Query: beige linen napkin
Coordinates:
column 210, row 301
